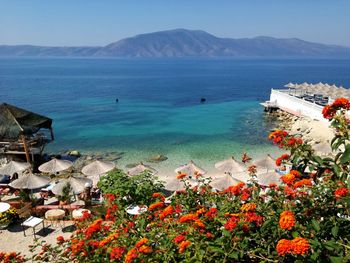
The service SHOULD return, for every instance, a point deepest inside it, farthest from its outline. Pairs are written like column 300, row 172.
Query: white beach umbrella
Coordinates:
column 14, row 167
column 270, row 177
column 77, row 185
column 32, row 181
column 191, row 169
column 174, row 184
column 55, row 166
column 140, row 168
column 266, row 163
column 98, row 168
column 322, row 148
column 230, row 166
column 223, row 182
column 289, row 85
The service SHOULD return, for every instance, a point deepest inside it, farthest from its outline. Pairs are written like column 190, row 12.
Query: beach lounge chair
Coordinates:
column 31, row 221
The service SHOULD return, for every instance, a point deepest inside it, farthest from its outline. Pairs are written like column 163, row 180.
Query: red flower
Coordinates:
column 303, row 182
column 279, row 160
column 117, row 253
column 341, row 192
column 158, row 195
column 288, row 179
column 212, row 212
column 245, row 158
column 231, row 224
column 188, row 217
column 251, row 169
column 60, row 239
column 179, row 239
column 209, row 235
column 235, row 190
column 167, row 211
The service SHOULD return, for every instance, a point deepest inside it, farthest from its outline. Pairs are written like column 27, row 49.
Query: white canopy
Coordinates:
column 191, row 169
column 31, row 181
column 14, row 167
column 77, row 185
column 55, row 166
column 98, row 168
column 230, row 166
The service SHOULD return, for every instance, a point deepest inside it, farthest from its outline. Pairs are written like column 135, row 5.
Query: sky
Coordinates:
column 100, row 22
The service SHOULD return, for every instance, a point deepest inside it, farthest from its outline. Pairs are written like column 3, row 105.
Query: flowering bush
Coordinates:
column 304, row 219
column 8, row 216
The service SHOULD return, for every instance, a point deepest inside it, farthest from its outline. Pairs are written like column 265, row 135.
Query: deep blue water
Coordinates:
column 158, row 109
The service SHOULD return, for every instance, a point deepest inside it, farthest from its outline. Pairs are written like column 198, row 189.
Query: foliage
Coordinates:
column 304, row 219
column 66, row 193
column 135, row 189
column 8, row 216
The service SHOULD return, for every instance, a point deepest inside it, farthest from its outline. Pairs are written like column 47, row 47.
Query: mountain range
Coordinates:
column 186, row 43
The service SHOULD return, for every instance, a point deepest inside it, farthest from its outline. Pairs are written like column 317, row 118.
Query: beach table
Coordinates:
column 4, row 207
column 136, row 210
column 55, row 215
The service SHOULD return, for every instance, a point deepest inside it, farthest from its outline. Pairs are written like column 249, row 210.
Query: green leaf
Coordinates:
column 318, row 159
column 315, row 225
column 295, row 234
column 336, row 169
column 234, row 255
column 336, row 259
column 346, row 154
column 335, row 231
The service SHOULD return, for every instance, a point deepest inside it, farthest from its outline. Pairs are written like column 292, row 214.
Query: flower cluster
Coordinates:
column 11, row 257
column 282, row 158
column 287, row 220
column 297, row 246
column 329, row 111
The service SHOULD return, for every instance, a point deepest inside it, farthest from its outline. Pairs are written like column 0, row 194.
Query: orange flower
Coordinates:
column 158, row 195
column 117, row 253
column 283, row 247
column 288, row 179
column 167, row 211
column 235, row 190
column 156, row 205
column 199, row 223
column 181, row 176
column 252, row 169
column 141, row 242
column 231, row 224
column 287, row 220
column 303, row 182
column 145, row 249
column 188, row 217
column 131, row 255
column 200, row 211
column 300, row 246
column 183, row 245
column 249, row 207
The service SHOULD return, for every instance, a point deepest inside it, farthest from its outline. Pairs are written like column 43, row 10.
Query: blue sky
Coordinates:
column 99, row 22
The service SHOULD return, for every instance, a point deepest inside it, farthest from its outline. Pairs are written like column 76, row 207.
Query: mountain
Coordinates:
column 186, row 43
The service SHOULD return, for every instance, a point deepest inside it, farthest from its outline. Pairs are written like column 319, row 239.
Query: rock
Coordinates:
column 157, row 158
column 74, row 153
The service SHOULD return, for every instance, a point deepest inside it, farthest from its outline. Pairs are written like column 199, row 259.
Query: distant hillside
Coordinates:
column 186, row 43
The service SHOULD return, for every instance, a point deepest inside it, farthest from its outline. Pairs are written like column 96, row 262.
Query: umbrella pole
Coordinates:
column 26, row 149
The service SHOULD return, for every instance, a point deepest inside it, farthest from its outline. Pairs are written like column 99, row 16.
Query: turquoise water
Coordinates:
column 158, row 110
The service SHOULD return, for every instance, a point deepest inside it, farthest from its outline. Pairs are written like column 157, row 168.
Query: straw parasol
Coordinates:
column 230, row 166
column 270, row 177
column 191, row 169
column 223, row 182
column 267, row 163
column 289, row 85
column 322, row 148
column 14, row 167
column 76, row 183
column 174, row 184
column 140, row 168
column 97, row 168
column 32, row 181
column 55, row 166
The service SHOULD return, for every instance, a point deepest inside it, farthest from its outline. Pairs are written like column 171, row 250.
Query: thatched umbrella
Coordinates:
column 223, row 182
column 174, row 184
column 97, row 168
column 322, row 148
column 191, row 169
column 14, row 167
column 55, row 166
column 230, row 166
column 267, row 163
column 290, row 85
column 32, row 181
column 140, row 168
column 270, row 177
column 77, row 185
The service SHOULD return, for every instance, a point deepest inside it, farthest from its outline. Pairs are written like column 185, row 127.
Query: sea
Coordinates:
column 136, row 109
